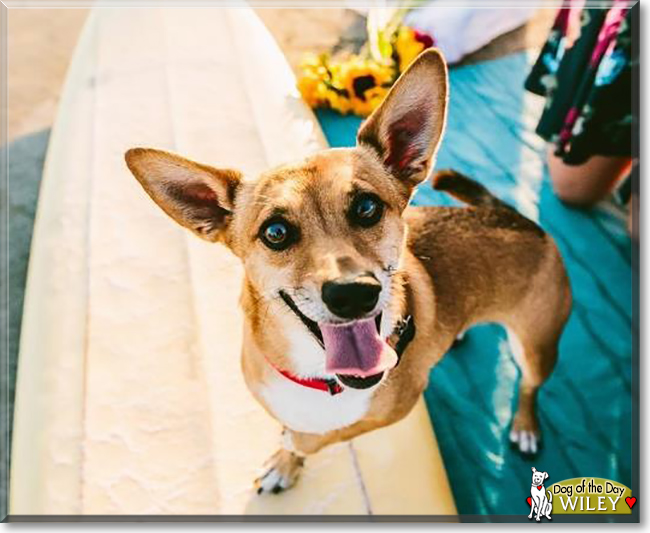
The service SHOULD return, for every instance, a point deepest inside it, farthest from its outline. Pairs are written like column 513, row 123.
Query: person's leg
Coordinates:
column 588, row 183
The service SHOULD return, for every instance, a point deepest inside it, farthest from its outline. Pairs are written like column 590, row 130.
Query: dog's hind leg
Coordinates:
column 535, row 349
column 549, row 504
column 534, row 330
column 536, row 362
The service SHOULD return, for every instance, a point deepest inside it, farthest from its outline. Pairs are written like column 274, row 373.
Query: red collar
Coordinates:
column 405, row 331
column 326, row 385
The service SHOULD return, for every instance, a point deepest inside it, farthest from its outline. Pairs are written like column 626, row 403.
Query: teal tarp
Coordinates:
column 585, row 408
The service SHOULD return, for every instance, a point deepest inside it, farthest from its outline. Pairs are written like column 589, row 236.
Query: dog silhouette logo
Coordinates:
column 540, row 499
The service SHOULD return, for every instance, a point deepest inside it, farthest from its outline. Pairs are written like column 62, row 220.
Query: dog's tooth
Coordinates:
column 514, row 436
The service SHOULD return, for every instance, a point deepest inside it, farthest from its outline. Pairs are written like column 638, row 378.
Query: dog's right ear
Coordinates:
column 198, row 197
column 534, row 469
column 406, row 129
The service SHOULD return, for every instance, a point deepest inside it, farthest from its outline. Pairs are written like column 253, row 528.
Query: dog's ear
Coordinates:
column 196, row 196
column 534, row 469
column 405, row 130
column 545, row 475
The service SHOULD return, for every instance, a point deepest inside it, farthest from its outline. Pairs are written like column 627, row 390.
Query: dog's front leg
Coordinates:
column 283, row 468
column 285, row 465
column 540, row 502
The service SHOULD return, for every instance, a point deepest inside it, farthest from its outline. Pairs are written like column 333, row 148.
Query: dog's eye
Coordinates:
column 366, row 210
column 277, row 234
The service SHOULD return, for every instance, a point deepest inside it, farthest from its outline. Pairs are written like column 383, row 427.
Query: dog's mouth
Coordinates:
column 354, row 351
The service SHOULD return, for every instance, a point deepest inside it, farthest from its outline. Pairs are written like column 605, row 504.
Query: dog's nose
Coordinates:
column 351, row 298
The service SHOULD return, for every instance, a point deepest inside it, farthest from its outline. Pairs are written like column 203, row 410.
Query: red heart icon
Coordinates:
column 529, row 500
column 630, row 502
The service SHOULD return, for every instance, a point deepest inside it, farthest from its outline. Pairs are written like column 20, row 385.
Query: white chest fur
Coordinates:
column 309, row 410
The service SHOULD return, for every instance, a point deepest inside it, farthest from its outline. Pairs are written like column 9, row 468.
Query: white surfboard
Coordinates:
column 130, row 398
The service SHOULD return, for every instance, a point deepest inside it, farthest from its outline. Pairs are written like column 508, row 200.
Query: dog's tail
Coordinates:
column 473, row 193
column 466, row 189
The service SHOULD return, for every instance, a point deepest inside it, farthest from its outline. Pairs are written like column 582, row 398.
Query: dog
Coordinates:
column 350, row 296
column 539, row 501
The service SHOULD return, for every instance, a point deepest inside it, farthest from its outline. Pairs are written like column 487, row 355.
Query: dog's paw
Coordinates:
column 283, row 471
column 525, row 441
column 273, row 482
column 524, row 433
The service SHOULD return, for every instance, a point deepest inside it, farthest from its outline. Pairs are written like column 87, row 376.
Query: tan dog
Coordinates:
column 343, row 280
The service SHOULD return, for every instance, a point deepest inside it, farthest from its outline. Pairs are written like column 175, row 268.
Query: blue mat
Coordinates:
column 585, row 408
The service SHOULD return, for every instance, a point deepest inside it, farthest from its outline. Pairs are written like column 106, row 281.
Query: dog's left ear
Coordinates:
column 405, row 130
column 545, row 475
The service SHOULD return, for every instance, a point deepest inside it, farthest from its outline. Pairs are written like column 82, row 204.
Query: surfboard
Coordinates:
column 130, row 399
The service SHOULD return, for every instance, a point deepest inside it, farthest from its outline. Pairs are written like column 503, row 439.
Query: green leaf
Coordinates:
column 384, row 45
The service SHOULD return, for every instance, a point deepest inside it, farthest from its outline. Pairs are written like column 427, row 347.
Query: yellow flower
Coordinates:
column 338, row 101
column 373, row 98
column 312, row 84
column 354, row 84
column 315, row 65
column 313, row 90
column 407, row 47
column 366, row 82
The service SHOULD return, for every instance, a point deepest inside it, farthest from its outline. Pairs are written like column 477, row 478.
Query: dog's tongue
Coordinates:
column 356, row 349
